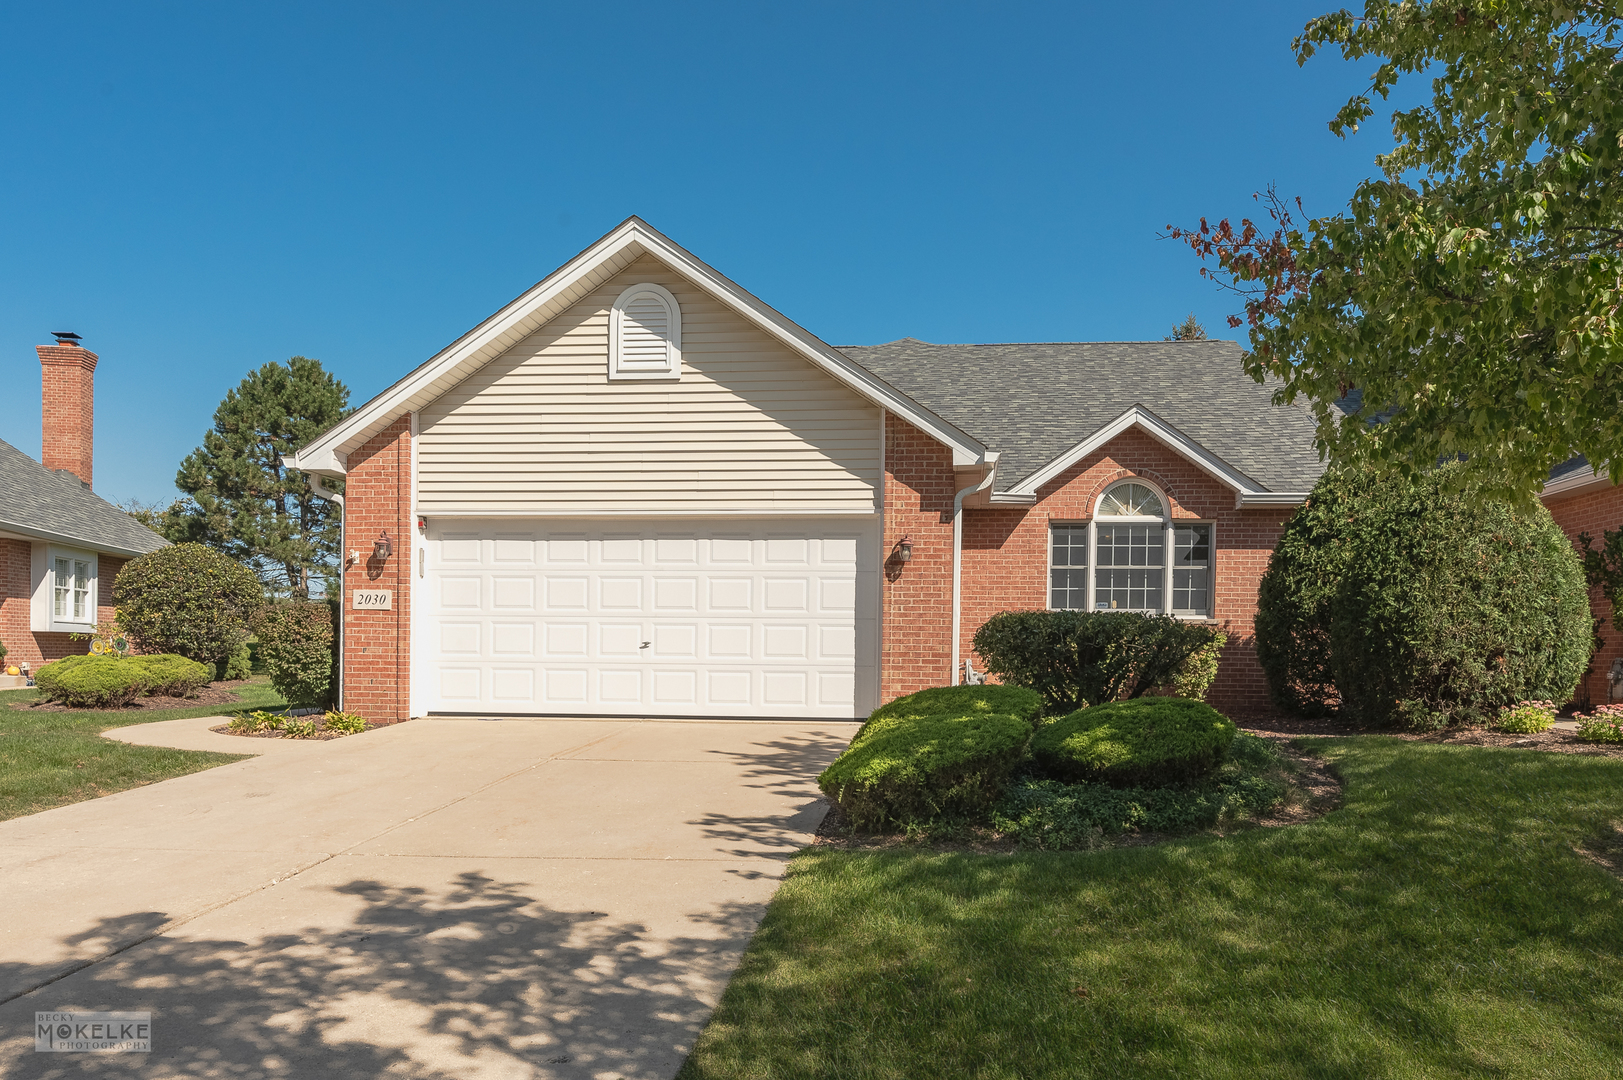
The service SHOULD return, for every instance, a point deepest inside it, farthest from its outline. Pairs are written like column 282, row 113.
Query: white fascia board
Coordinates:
column 12, row 531
column 513, row 323
column 1578, row 481
column 1156, row 428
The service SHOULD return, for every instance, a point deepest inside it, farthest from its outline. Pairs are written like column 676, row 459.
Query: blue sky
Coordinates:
column 199, row 189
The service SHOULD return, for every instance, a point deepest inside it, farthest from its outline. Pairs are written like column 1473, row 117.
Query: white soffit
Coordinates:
column 1581, row 480
column 564, row 287
column 1247, row 491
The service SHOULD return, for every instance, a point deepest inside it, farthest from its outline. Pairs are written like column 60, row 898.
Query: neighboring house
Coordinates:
column 638, row 490
column 1583, row 502
column 61, row 545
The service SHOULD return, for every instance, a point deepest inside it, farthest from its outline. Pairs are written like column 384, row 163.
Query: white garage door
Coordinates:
column 595, row 619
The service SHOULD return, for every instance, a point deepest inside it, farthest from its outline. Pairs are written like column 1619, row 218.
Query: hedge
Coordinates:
column 93, row 682
column 295, row 645
column 168, row 675
column 1420, row 603
column 1077, row 658
column 187, row 599
column 1145, row 741
column 923, row 759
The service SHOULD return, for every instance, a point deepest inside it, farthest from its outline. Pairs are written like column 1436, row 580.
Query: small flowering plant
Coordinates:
column 1603, row 725
column 1525, row 718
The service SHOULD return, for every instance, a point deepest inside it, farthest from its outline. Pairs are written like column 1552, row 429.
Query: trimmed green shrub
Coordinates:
column 169, row 675
column 1451, row 606
column 1296, row 596
column 187, row 599
column 960, row 701
column 1056, row 816
column 917, row 763
column 1146, row 741
column 92, row 682
column 295, row 644
column 1077, row 658
column 239, row 665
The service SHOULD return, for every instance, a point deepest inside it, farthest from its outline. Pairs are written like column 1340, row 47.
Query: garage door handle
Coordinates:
column 645, row 645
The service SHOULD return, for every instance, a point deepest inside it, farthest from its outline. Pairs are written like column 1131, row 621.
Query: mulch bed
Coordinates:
column 220, row 693
column 320, row 735
column 1554, row 741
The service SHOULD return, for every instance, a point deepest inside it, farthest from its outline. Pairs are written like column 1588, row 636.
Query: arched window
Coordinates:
column 645, row 334
column 1120, row 560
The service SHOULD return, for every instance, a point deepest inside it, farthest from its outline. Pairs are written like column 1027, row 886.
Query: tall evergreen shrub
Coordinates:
column 1427, row 604
column 187, row 599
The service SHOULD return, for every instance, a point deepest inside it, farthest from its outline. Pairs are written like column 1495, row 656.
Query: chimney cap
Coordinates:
column 66, row 337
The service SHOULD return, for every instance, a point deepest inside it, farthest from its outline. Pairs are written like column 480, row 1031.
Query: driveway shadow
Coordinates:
column 476, row 979
column 788, row 766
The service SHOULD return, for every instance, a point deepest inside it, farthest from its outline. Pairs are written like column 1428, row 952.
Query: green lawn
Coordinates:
column 54, row 758
column 1439, row 924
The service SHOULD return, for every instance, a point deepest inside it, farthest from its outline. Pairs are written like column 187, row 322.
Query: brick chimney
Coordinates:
column 69, row 371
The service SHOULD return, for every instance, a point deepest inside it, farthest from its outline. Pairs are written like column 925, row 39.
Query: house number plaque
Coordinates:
column 372, row 599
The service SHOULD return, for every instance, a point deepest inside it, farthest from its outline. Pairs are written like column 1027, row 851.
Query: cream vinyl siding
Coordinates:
column 749, row 427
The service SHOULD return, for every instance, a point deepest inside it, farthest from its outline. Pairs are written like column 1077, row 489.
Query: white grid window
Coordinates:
column 73, row 589
column 1132, row 558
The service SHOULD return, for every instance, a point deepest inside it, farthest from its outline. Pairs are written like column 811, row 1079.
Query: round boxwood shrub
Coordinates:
column 1144, row 741
column 295, row 645
column 933, row 754
column 187, row 599
column 93, row 682
column 169, row 675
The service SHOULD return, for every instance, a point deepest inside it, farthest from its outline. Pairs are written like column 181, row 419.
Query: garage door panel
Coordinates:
column 733, row 619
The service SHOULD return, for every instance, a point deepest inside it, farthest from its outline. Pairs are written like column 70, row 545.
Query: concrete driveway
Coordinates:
column 442, row 899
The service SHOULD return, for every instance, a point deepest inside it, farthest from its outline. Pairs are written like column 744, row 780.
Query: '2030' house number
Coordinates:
column 372, row 599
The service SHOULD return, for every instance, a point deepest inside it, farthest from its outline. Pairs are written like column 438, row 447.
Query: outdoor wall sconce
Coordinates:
column 382, row 548
column 904, row 550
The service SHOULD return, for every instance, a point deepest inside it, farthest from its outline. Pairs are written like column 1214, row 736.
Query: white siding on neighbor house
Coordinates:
column 749, row 427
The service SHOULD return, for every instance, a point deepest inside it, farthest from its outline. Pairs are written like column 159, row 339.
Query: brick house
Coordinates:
column 61, row 545
column 1583, row 502
column 637, row 490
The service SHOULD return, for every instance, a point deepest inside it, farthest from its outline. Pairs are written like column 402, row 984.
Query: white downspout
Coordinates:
column 958, row 563
column 319, row 488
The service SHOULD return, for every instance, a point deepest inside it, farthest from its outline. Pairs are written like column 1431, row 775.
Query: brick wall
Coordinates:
column 377, row 644
column 24, row 645
column 1594, row 511
column 916, row 651
column 68, row 375
column 1005, row 565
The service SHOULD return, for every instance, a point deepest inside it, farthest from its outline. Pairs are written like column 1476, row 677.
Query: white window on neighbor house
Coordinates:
column 73, row 588
column 1141, row 560
column 645, row 334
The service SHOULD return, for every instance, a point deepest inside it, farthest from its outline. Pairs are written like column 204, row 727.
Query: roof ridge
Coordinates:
column 1028, row 344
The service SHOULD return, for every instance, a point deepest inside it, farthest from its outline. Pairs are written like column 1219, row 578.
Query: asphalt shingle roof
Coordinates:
column 36, row 501
column 1034, row 402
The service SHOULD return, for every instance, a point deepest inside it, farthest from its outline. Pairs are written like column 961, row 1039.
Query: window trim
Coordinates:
column 1169, row 526
column 672, row 370
column 71, row 625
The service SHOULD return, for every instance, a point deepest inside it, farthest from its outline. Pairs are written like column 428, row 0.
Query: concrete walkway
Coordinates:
column 443, row 898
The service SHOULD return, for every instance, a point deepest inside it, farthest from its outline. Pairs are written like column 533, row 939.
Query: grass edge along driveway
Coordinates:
column 50, row 759
column 1439, row 924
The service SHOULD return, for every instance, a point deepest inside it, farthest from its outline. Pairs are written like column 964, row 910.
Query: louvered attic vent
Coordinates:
column 645, row 334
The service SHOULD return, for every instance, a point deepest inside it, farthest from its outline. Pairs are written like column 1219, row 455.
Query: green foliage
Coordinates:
column 1451, row 606
column 1525, row 718
column 344, row 723
column 92, row 682
column 1469, row 290
column 187, row 599
column 299, row 729
column 914, row 765
column 1188, row 330
column 959, row 701
column 1056, row 816
column 168, row 675
column 1296, row 596
column 1603, row 725
column 1413, row 603
column 295, row 643
column 1141, row 742
column 1076, row 658
column 244, row 500
column 2, row 650
column 239, row 665
column 256, row 722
